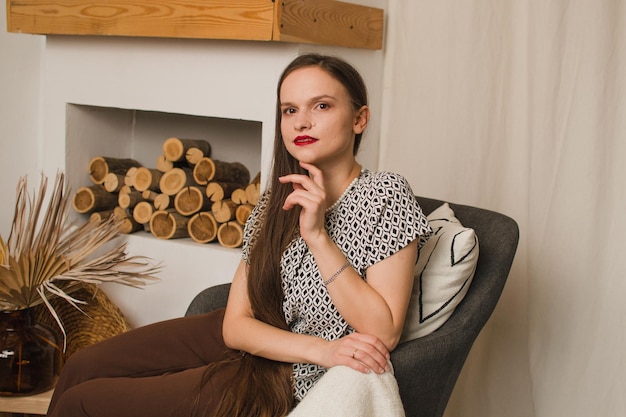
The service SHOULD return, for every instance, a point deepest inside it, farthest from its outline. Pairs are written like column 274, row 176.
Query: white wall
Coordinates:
column 19, row 115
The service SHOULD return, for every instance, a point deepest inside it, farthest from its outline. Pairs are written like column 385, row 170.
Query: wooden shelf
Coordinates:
column 34, row 404
column 324, row 22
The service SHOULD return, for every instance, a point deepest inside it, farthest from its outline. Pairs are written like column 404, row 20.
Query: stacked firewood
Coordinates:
column 187, row 194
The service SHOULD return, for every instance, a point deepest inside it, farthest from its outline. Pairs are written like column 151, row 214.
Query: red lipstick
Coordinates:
column 304, row 140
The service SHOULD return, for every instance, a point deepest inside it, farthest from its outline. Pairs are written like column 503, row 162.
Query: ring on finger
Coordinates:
column 354, row 353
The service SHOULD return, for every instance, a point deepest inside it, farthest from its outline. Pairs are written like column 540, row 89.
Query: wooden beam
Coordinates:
column 328, row 22
column 215, row 19
column 325, row 22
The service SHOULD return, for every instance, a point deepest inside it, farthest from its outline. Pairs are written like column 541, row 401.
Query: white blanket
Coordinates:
column 344, row 392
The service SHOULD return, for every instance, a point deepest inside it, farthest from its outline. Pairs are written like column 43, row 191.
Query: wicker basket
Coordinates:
column 100, row 318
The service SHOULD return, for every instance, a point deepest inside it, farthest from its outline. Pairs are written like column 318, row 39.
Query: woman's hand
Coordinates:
column 361, row 352
column 308, row 193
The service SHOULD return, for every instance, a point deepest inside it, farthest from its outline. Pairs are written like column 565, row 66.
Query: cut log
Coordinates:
column 239, row 196
column 100, row 216
column 175, row 180
column 220, row 190
column 253, row 190
column 230, row 234
column 253, row 193
column 194, row 155
column 163, row 164
column 168, row 225
column 113, row 182
column 234, row 169
column 208, row 169
column 202, row 227
column 147, row 179
column 243, row 212
column 163, row 202
column 129, row 200
column 130, row 225
column 143, row 212
column 100, row 166
column 175, row 149
column 120, row 213
column 223, row 210
column 129, row 179
column 149, row 195
column 93, row 198
column 204, row 171
column 126, row 189
column 191, row 200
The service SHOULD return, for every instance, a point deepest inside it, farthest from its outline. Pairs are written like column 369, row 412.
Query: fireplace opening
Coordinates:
column 95, row 131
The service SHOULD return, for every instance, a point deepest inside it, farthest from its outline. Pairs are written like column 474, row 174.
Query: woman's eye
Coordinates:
column 323, row 106
column 289, row 110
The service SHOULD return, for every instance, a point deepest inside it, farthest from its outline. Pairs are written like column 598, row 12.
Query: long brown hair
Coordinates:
column 263, row 387
column 280, row 226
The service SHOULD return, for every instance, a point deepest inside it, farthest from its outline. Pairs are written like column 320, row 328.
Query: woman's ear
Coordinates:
column 361, row 119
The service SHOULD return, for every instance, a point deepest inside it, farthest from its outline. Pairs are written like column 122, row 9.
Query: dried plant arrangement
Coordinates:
column 47, row 256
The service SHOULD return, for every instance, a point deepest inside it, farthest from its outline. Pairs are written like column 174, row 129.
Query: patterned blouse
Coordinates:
column 375, row 217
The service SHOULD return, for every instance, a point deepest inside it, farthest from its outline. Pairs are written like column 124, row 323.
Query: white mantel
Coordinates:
column 212, row 78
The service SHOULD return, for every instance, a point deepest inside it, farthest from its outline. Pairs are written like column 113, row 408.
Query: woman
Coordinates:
column 325, row 278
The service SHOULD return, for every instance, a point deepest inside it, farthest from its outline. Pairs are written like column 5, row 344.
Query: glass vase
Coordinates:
column 29, row 354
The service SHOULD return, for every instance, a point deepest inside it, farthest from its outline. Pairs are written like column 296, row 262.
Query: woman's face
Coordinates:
column 318, row 122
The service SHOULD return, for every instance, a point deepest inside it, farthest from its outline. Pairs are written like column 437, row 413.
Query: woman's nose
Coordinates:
column 302, row 121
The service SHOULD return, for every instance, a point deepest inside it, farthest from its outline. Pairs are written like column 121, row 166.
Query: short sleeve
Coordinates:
column 396, row 218
column 378, row 216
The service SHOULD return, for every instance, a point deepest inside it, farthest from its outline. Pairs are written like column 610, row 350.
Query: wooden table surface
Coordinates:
column 31, row 404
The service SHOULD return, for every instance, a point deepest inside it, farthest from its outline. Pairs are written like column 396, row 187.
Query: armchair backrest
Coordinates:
column 427, row 368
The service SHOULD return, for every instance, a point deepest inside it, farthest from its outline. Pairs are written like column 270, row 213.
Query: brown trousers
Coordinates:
column 155, row 371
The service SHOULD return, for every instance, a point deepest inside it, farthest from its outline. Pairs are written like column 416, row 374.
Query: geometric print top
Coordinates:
column 376, row 217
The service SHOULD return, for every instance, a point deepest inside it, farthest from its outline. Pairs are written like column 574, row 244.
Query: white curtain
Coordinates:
column 519, row 106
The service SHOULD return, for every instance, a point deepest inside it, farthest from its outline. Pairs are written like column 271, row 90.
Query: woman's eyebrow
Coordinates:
column 311, row 100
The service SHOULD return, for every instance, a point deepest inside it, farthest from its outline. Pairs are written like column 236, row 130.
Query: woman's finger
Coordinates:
column 314, row 173
column 300, row 180
column 363, row 353
column 370, row 357
column 304, row 187
column 302, row 198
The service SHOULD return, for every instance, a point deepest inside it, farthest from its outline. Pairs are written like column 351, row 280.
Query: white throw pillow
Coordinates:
column 443, row 273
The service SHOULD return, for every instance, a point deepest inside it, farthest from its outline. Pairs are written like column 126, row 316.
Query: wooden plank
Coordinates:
column 32, row 404
column 324, row 22
column 329, row 22
column 215, row 19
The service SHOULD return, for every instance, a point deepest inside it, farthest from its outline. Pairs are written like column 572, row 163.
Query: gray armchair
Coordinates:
column 427, row 368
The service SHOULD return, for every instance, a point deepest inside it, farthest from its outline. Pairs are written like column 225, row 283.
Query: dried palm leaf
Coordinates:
column 47, row 256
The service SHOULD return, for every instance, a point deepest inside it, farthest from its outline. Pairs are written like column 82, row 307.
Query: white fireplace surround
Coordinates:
column 122, row 97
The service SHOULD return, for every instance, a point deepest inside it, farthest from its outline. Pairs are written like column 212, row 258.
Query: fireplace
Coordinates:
column 122, row 97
